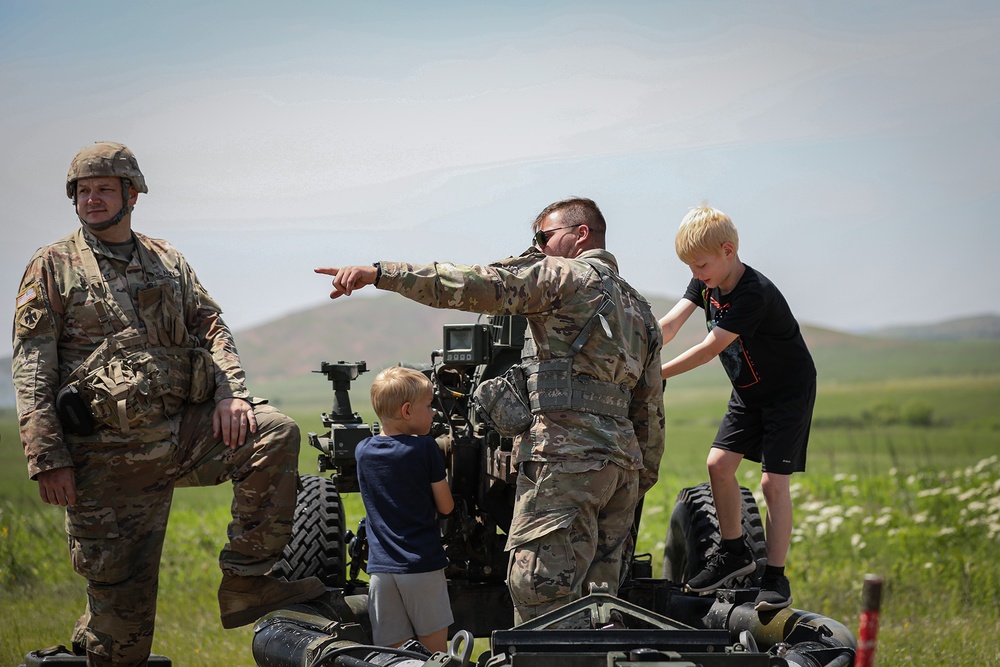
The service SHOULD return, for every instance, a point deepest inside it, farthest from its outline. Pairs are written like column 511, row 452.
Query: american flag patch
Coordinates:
column 26, row 296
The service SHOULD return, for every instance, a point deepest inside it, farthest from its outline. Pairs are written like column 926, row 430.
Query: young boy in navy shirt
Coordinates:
column 402, row 478
column 752, row 331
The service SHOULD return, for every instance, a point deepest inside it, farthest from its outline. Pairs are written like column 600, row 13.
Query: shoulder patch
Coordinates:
column 27, row 296
column 32, row 315
column 31, row 321
column 29, row 318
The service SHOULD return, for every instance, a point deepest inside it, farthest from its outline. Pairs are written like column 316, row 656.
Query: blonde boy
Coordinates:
column 402, row 478
column 752, row 331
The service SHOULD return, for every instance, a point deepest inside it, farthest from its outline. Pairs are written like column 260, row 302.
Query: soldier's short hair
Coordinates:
column 703, row 231
column 576, row 211
column 395, row 386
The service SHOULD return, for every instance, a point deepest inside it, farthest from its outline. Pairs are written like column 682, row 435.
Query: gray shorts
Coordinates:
column 404, row 606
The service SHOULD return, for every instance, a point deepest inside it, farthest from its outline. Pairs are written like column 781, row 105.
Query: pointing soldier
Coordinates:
column 129, row 384
column 589, row 453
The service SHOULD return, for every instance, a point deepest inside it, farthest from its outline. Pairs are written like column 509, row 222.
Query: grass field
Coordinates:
column 903, row 481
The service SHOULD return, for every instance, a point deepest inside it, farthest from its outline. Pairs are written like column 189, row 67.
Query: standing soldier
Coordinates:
column 129, row 384
column 595, row 437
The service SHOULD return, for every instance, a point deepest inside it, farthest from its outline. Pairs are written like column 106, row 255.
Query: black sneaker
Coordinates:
column 722, row 567
column 775, row 593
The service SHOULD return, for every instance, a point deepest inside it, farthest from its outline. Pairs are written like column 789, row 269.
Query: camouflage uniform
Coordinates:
column 150, row 440
column 582, row 473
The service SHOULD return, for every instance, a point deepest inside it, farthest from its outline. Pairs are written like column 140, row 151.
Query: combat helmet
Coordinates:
column 106, row 158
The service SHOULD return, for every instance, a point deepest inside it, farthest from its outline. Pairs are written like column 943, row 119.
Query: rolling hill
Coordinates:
column 385, row 329
column 980, row 327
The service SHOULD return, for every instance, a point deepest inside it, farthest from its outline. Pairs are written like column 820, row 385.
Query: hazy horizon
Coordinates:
column 853, row 144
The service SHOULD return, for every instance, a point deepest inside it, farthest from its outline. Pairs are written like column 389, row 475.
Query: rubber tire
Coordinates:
column 316, row 548
column 694, row 535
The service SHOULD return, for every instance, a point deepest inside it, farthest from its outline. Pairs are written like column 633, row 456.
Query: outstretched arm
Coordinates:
column 716, row 341
column 672, row 322
column 346, row 279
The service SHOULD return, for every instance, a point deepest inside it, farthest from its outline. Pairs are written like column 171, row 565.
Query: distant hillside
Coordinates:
column 980, row 327
column 386, row 329
column 382, row 330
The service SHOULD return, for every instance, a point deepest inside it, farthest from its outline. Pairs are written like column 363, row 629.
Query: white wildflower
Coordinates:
column 968, row 493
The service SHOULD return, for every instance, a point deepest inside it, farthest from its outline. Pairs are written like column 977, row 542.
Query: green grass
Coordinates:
column 913, row 500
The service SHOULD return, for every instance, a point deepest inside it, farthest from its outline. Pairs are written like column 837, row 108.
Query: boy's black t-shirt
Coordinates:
column 769, row 360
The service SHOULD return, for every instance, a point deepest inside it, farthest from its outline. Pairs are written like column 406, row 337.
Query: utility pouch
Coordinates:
column 503, row 402
column 159, row 312
column 202, row 375
column 74, row 415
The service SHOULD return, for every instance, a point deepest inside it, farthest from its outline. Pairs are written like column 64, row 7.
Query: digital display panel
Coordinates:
column 459, row 339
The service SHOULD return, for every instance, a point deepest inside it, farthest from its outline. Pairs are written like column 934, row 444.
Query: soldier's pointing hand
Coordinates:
column 349, row 278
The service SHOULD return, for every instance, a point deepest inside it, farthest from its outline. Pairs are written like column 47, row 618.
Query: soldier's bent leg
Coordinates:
column 264, row 476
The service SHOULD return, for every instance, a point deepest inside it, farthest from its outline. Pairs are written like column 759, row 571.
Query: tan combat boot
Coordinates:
column 243, row 600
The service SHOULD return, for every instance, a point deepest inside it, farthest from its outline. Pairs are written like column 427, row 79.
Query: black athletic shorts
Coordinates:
column 774, row 435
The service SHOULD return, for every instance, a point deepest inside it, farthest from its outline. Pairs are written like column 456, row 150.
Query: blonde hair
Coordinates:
column 703, row 231
column 395, row 386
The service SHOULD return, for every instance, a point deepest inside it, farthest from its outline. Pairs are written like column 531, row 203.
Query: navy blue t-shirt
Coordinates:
column 395, row 473
column 769, row 360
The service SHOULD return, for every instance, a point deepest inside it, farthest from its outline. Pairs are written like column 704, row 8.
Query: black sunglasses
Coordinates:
column 541, row 238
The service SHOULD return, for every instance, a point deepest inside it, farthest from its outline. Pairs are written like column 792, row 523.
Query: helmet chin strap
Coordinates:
column 122, row 212
column 101, row 226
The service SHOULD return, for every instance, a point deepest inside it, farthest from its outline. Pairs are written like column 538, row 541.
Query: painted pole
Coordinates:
column 871, row 601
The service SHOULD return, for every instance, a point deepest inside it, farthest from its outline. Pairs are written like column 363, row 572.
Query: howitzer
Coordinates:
column 650, row 620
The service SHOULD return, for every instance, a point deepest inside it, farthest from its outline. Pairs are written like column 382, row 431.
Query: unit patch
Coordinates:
column 32, row 317
column 29, row 318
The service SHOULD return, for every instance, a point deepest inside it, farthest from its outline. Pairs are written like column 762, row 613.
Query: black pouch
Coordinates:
column 73, row 413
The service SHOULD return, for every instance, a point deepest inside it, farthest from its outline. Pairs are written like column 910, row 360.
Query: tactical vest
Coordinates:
column 552, row 384
column 135, row 377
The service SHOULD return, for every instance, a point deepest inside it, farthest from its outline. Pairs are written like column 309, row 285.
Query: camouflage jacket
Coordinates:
column 558, row 296
column 58, row 323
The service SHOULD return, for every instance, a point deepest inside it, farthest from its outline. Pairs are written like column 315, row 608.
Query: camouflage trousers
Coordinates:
column 124, row 492
column 569, row 530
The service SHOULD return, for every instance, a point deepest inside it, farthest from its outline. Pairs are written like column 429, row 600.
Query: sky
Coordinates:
column 854, row 144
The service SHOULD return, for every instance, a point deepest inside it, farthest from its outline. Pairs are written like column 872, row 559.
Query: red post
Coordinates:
column 871, row 601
